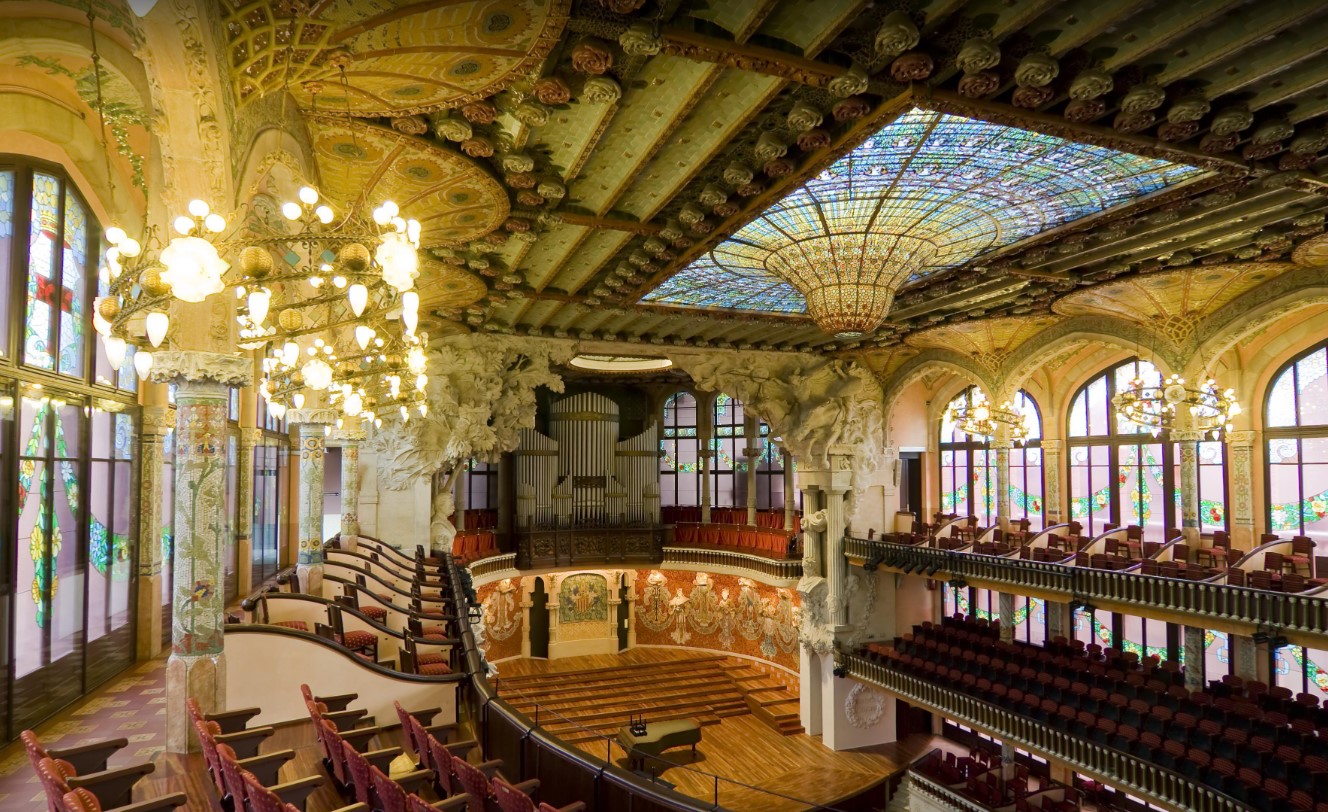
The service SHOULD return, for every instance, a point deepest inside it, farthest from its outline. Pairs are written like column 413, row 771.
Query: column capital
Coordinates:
column 1188, row 435
column 320, row 417
column 343, row 436
column 174, row 366
column 250, row 437
column 1053, row 445
column 1242, row 438
column 157, row 420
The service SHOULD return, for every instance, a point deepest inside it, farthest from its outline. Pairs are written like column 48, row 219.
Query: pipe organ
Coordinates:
column 583, row 475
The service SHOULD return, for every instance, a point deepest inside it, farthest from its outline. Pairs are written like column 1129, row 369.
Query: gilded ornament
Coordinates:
column 736, row 174
column 517, row 162
column 452, row 128
column 745, row 190
column 711, row 195
column 479, row 112
column 477, row 147
column 108, row 307
column 854, row 107
column 769, row 146
column 850, row 83
column 290, row 319
column 1230, row 120
column 592, row 56
column 529, row 198
column 551, row 189
column 896, row 34
column 1177, row 130
column 1127, row 122
column 690, row 213
column 153, row 285
column 979, row 84
column 338, row 58
column 640, row 39
column 804, row 117
column 521, row 180
column 1091, row 84
column 622, row 6
column 1271, row 132
column 913, row 66
column 1084, row 110
column 978, row 54
column 601, row 90
column 1310, row 142
column 1036, row 70
column 255, row 262
column 532, row 114
column 410, row 125
column 726, row 209
column 778, row 167
column 1142, row 98
column 1031, row 97
column 353, row 257
column 517, row 225
column 1191, row 108
column 552, row 90
column 813, row 140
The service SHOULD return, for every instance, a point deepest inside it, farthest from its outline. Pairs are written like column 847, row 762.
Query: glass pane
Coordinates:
column 1282, row 400
column 31, row 610
column 1097, row 407
column 1217, row 655
column 1312, row 388
column 73, row 277
column 7, row 180
column 41, row 294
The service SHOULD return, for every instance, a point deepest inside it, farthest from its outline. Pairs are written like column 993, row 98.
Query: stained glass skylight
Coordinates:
column 957, row 187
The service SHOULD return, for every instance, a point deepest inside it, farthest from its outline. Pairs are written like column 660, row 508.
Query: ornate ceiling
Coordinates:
column 602, row 146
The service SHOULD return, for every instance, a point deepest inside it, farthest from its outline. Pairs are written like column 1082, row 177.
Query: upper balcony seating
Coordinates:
column 81, row 800
column 981, row 777
column 770, row 543
column 691, row 514
column 63, row 771
column 472, row 545
column 1255, row 744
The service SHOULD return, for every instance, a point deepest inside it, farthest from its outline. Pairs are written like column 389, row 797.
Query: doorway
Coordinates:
column 910, row 483
column 539, row 620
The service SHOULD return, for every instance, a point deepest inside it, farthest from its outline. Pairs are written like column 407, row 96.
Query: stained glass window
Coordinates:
column 968, row 467
column 964, row 186
column 679, row 477
column 8, row 180
column 1119, row 477
column 1296, row 421
column 59, row 249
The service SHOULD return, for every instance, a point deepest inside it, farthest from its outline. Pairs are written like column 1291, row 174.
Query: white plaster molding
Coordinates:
column 321, row 417
column 864, row 707
column 174, row 365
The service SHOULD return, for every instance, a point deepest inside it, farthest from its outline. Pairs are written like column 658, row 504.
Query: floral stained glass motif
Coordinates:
column 73, row 281
column 6, row 240
column 41, row 270
column 962, row 186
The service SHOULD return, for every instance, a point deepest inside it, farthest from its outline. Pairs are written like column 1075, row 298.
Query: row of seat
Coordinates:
column 740, row 538
column 77, row 779
column 1195, row 734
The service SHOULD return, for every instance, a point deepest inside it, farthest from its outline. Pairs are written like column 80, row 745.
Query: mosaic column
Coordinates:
column 1188, row 439
column 1002, row 448
column 197, row 665
column 155, row 421
column 244, row 532
column 1005, row 607
column 349, row 438
column 705, row 426
column 790, row 491
column 1059, row 623
column 1193, row 643
column 1244, row 656
column 751, row 429
column 1240, row 449
column 310, row 425
column 1051, row 475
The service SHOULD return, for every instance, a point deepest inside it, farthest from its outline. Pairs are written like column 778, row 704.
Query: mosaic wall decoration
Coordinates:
column 718, row 612
column 583, row 598
column 965, row 187
column 504, row 619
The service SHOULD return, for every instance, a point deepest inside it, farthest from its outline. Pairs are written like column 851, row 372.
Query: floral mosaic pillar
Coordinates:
column 197, row 665
column 244, row 526
column 310, row 427
column 1241, row 455
column 349, row 438
column 1002, row 448
column 751, row 429
column 1005, row 607
column 155, row 422
column 1051, row 466
column 705, row 428
column 1193, row 643
column 1188, row 440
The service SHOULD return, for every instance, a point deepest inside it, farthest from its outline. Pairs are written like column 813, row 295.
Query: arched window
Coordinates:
column 679, row 477
column 968, row 466
column 1121, row 474
column 728, row 485
column 1296, row 430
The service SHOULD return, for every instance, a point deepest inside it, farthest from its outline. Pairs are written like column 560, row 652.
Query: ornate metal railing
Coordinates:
column 1298, row 614
column 1113, row 767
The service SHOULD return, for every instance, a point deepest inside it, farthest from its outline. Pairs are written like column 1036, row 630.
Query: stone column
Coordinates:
column 751, row 429
column 1001, row 445
column 197, row 664
column 250, row 437
column 1051, row 476
column 1244, row 656
column 1193, row 641
column 157, row 419
column 350, row 484
column 310, row 426
column 790, row 491
column 811, row 539
column 1188, row 439
column 835, row 573
column 1240, row 450
column 461, row 496
column 705, row 427
column 1005, row 607
column 1059, row 622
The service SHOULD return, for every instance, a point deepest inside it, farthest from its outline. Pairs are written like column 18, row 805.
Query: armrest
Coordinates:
column 246, row 742
column 528, row 787
column 233, row 721
column 490, row 767
column 112, row 787
column 353, row 808
column 462, row 747
column 162, row 804
column 266, row 766
column 382, row 759
column 89, row 758
column 337, row 702
column 456, row 802
column 298, row 791
column 413, row 782
column 347, row 719
column 578, row 806
column 360, row 737
column 425, row 715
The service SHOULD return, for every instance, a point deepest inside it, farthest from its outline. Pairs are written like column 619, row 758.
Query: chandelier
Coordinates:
column 977, row 418
column 1154, row 406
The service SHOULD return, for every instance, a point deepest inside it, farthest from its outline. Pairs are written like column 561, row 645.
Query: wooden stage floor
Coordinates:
column 750, row 757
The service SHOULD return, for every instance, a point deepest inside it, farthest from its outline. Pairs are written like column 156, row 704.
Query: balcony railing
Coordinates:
column 1122, row 770
column 578, row 546
column 787, row 569
column 1301, row 615
column 947, row 797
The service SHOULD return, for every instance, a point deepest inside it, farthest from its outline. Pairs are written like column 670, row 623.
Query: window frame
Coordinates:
column 1296, row 433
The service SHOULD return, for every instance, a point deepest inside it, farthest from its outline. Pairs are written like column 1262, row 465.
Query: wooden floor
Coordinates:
column 752, row 758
